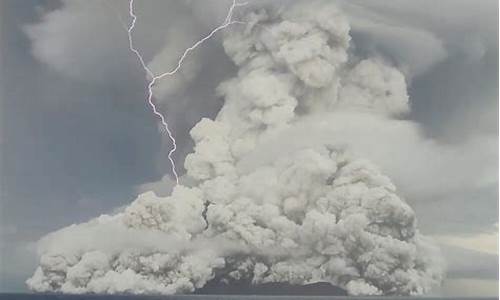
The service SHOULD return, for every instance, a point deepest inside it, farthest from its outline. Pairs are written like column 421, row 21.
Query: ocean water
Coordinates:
column 212, row 297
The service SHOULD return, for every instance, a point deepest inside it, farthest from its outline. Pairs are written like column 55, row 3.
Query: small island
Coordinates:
column 271, row 288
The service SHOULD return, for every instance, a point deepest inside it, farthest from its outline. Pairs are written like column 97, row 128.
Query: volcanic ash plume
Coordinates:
column 313, row 212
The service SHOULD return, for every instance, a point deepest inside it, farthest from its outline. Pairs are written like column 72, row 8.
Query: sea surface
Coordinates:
column 212, row 297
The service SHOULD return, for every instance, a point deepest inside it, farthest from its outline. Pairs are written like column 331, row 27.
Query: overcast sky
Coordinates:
column 77, row 140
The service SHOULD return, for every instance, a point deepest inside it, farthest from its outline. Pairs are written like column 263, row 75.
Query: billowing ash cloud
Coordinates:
column 316, row 211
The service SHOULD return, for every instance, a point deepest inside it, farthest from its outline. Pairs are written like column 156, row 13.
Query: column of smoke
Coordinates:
column 312, row 211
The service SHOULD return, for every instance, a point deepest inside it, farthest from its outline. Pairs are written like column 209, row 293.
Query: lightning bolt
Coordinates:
column 153, row 78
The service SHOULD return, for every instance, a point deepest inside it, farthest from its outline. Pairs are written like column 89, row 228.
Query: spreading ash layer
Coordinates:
column 314, row 212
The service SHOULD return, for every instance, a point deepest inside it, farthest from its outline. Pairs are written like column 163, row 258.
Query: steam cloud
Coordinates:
column 313, row 211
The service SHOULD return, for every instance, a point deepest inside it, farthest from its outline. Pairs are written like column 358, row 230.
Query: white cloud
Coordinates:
column 279, row 169
column 317, row 212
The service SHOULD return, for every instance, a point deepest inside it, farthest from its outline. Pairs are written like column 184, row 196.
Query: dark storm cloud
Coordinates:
column 90, row 139
column 449, row 51
column 455, row 95
column 69, row 150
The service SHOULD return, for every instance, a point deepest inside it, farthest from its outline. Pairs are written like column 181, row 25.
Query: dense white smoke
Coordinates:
column 314, row 211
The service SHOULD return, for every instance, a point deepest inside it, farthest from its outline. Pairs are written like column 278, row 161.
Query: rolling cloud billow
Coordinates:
column 248, row 208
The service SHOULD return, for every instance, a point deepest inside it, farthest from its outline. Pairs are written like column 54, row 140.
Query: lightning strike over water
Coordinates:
column 153, row 79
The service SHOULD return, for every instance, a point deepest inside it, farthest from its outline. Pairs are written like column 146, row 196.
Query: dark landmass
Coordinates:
column 272, row 288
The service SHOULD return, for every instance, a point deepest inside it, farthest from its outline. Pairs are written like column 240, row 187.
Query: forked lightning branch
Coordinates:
column 154, row 78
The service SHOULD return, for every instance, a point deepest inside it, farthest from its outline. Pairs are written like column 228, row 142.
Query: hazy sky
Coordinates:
column 77, row 139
